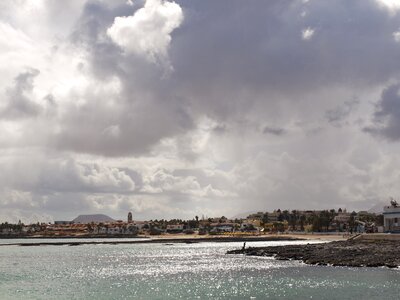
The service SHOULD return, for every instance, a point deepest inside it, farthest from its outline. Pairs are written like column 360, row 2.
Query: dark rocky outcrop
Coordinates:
column 351, row 253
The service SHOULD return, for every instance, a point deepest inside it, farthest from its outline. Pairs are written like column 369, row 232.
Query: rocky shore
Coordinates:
column 351, row 253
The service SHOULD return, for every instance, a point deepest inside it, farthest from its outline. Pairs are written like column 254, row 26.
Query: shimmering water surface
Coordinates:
column 179, row 271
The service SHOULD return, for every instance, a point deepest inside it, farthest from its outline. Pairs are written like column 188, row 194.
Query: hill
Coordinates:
column 378, row 207
column 244, row 214
column 99, row 218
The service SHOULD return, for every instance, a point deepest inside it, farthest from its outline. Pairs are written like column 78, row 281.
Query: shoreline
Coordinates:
column 172, row 239
column 302, row 236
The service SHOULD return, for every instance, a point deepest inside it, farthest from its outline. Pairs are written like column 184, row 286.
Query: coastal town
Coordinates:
column 278, row 221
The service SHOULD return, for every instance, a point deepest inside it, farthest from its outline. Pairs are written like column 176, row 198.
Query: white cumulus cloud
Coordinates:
column 391, row 5
column 396, row 36
column 307, row 33
column 148, row 32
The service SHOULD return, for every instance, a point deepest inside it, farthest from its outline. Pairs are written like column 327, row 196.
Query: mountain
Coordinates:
column 85, row 219
column 244, row 215
column 378, row 208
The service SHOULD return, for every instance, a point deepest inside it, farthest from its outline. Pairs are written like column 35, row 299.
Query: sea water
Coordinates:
column 179, row 271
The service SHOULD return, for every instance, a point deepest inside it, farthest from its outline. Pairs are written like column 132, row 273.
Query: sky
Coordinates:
column 208, row 108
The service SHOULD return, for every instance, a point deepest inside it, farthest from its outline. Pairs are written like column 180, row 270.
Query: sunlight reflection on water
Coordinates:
column 159, row 271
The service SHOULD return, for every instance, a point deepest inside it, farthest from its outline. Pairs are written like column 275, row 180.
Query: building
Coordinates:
column 342, row 217
column 222, row 227
column 129, row 217
column 174, row 228
column 115, row 229
column 63, row 222
column 248, row 226
column 257, row 216
column 274, row 216
column 391, row 217
column 141, row 224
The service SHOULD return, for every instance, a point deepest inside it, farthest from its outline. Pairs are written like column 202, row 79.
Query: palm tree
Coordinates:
column 265, row 218
column 302, row 221
column 293, row 219
column 285, row 215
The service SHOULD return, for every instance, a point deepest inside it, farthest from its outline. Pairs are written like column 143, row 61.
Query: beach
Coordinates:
column 167, row 238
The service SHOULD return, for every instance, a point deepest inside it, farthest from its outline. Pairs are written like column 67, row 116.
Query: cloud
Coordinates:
column 91, row 123
column 148, row 32
column 57, row 175
column 20, row 102
column 83, row 177
column 387, row 115
column 307, row 34
column 340, row 113
column 392, row 5
column 396, row 36
column 274, row 130
column 164, row 181
column 12, row 38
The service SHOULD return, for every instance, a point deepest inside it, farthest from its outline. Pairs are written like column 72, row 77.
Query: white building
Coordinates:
column 391, row 215
column 141, row 224
column 174, row 227
column 222, row 227
column 343, row 217
column 248, row 226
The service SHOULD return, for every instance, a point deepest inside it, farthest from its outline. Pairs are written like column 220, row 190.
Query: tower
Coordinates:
column 129, row 217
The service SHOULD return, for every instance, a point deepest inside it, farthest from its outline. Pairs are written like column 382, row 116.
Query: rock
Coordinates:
column 353, row 253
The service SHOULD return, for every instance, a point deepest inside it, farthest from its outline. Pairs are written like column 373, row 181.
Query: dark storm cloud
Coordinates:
column 104, row 56
column 224, row 67
column 387, row 114
column 259, row 45
column 59, row 175
column 274, row 131
column 340, row 113
column 122, row 130
column 144, row 111
column 19, row 102
column 199, row 121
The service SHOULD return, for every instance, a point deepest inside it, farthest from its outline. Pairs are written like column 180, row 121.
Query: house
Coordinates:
column 222, row 227
column 115, row 229
column 141, row 225
column 342, row 217
column 257, row 216
column 7, row 231
column 391, row 217
column 174, row 228
column 248, row 226
column 273, row 216
column 63, row 222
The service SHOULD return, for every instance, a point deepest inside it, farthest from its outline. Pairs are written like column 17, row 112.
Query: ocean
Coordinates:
column 179, row 271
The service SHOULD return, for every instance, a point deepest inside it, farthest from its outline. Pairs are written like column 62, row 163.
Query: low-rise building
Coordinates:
column 342, row 217
column 257, row 216
column 273, row 216
column 175, row 228
column 222, row 227
column 115, row 229
column 63, row 222
column 391, row 217
column 248, row 226
column 141, row 224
